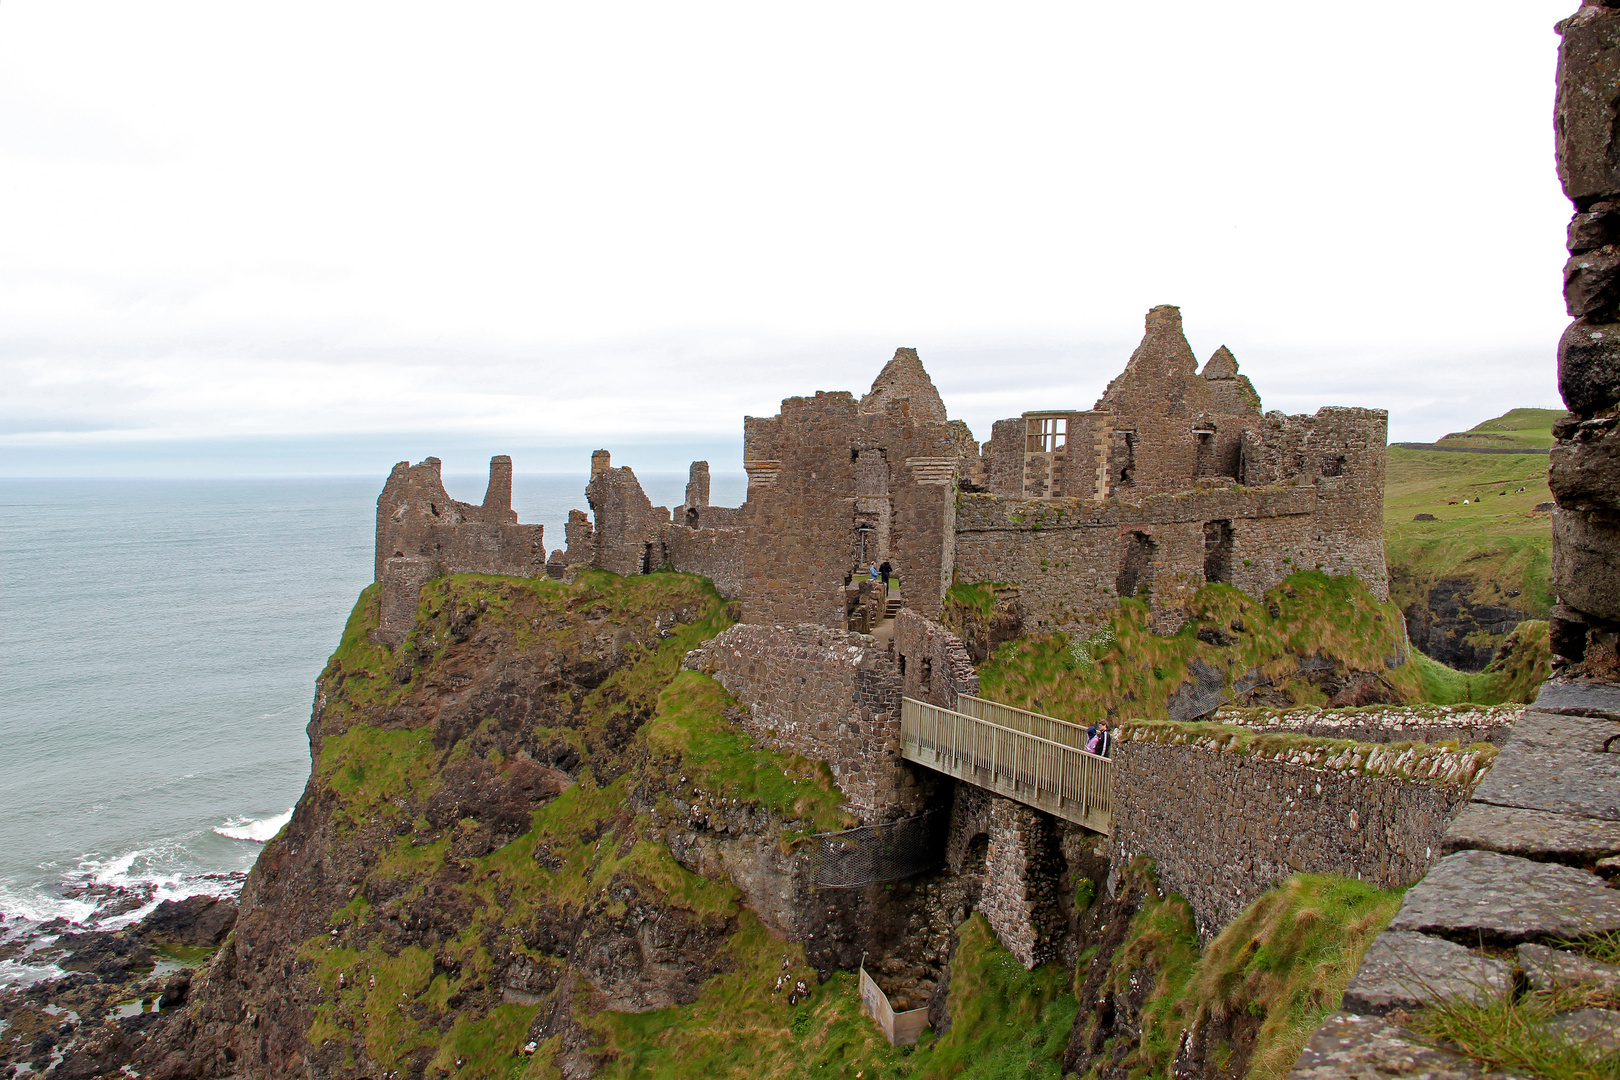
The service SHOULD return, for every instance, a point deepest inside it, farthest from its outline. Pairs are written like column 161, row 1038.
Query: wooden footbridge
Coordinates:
column 1034, row 759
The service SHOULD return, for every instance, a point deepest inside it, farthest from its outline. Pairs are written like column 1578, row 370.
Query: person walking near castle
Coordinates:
column 1101, row 741
column 884, row 571
column 872, row 575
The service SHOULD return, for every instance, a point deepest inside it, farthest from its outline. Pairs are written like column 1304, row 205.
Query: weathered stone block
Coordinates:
column 1586, row 562
column 1594, row 230
column 1598, row 1030
column 1481, row 895
column 1352, row 1047
column 1532, row 834
column 1586, row 116
column 1547, row 968
column 1589, row 366
column 1592, row 283
column 1403, row 970
column 1556, row 763
column 1585, row 472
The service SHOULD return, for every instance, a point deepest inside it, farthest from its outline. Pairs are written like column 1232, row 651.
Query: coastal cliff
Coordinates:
column 479, row 855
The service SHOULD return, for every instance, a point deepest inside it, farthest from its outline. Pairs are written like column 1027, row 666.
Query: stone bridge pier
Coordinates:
column 1024, row 867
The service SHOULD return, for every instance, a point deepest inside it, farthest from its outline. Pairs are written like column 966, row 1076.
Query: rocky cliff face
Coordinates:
column 482, row 855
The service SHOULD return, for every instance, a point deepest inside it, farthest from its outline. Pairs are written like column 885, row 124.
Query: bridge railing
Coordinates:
column 1052, row 774
column 1045, row 727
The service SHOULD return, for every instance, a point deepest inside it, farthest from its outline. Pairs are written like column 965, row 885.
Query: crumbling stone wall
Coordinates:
column 1066, row 556
column 1014, row 859
column 828, row 475
column 827, row 694
column 1172, row 480
column 1585, row 476
column 416, row 518
column 1175, row 478
column 1223, row 825
column 934, row 664
column 422, row 533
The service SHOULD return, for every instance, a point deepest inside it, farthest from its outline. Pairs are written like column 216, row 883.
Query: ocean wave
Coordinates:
column 260, row 830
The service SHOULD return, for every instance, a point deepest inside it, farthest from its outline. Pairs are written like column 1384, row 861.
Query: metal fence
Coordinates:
column 1044, row 727
column 877, row 853
column 1032, row 758
column 901, row 1029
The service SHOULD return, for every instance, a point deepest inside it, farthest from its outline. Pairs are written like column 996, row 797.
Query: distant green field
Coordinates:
column 1487, row 530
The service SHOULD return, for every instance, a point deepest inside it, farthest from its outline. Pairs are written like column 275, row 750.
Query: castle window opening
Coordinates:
column 691, row 517
column 1127, row 468
column 1046, row 434
column 1134, row 561
column 1218, row 551
column 1206, row 451
column 1333, row 466
column 927, row 675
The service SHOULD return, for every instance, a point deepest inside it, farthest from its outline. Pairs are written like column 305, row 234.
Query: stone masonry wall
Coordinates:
column 1223, row 825
column 934, row 663
column 827, row 694
column 416, row 518
column 1066, row 555
column 1585, row 476
column 422, row 533
column 715, row 553
column 817, row 465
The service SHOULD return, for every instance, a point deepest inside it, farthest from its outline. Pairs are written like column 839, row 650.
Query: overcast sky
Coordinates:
column 323, row 237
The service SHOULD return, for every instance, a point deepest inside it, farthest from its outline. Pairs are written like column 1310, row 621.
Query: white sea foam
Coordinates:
column 260, row 830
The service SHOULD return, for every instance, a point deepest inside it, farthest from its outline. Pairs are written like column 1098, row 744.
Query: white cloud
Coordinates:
column 547, row 222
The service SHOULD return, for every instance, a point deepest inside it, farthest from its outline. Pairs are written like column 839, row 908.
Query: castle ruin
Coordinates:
column 1175, row 478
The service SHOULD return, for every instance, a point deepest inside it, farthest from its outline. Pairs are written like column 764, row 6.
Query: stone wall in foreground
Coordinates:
column 1225, row 818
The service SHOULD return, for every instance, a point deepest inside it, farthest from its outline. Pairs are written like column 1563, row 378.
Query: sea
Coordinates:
column 159, row 644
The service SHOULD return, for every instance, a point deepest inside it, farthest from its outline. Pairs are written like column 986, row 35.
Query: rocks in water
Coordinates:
column 197, row 920
column 1403, row 970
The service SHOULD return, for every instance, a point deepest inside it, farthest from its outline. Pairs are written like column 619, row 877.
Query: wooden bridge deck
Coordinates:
column 1037, row 760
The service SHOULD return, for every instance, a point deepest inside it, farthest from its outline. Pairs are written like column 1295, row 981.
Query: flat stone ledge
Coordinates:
column 1580, row 698
column 1532, row 834
column 1546, row 968
column 1351, row 1047
column 1557, row 764
column 1596, row 1029
column 1403, row 970
column 1474, row 896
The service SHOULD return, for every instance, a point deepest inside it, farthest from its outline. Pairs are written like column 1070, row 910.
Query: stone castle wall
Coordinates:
column 422, row 533
column 933, row 663
column 830, row 480
column 1585, row 476
column 1067, row 555
column 827, row 694
column 416, row 518
column 1224, row 825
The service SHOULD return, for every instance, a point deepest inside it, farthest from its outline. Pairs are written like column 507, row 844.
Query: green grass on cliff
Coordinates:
column 693, row 731
column 1260, row 987
column 1486, row 531
column 1130, row 671
column 1006, row 1023
column 586, row 856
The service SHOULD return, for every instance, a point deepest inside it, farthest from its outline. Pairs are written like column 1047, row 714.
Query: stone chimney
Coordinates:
column 601, row 462
column 498, row 496
column 697, row 485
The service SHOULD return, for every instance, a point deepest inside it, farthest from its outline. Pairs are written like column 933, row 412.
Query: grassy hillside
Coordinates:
column 1486, row 534
column 1127, row 670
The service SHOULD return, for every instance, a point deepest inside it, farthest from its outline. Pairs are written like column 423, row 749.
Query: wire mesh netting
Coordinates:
column 877, row 853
